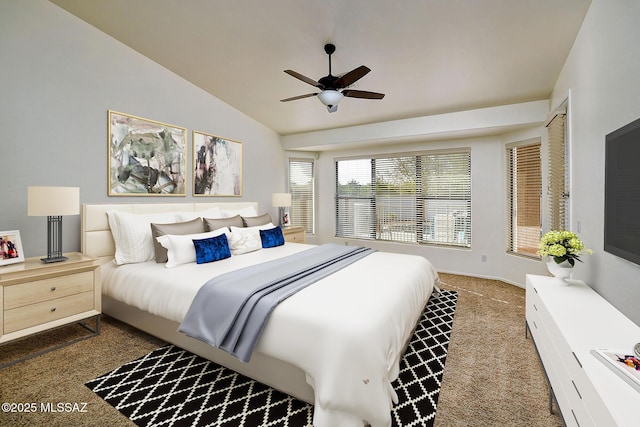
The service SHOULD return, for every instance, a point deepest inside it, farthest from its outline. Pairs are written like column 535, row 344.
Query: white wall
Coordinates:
column 59, row 77
column 603, row 74
column 499, row 125
column 488, row 178
column 483, row 121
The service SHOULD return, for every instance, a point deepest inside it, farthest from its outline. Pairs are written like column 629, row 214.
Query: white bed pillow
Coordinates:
column 180, row 248
column 246, row 239
column 132, row 235
column 248, row 211
column 215, row 212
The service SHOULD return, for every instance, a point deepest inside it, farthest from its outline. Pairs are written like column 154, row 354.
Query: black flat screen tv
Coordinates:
column 622, row 192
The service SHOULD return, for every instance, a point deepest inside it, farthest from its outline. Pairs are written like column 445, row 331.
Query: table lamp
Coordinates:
column 282, row 201
column 53, row 202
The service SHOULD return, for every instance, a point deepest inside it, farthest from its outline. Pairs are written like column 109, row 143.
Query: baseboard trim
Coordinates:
column 480, row 276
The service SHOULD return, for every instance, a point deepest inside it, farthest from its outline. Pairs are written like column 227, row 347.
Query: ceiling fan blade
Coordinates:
column 362, row 94
column 304, row 78
column 332, row 108
column 351, row 77
column 293, row 98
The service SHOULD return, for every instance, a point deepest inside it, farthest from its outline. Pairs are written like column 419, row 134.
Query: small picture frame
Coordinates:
column 285, row 217
column 11, row 250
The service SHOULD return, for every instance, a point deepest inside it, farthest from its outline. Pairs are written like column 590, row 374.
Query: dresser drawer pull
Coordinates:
column 577, row 360
column 53, row 309
column 534, row 306
column 534, row 324
column 577, row 391
column 575, row 418
column 53, row 288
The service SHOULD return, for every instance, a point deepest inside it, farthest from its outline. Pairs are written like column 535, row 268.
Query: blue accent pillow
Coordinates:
column 212, row 249
column 272, row 237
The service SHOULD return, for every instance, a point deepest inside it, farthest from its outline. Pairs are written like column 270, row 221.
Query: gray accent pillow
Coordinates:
column 212, row 224
column 177, row 228
column 253, row 221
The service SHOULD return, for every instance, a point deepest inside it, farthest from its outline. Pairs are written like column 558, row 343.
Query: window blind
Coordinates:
column 524, row 186
column 395, row 202
column 301, row 187
column 446, row 186
column 557, row 188
column 411, row 198
column 355, row 200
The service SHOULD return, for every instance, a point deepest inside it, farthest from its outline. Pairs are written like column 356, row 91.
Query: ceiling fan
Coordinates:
column 332, row 88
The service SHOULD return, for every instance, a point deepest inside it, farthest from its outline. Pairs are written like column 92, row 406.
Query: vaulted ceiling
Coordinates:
column 428, row 56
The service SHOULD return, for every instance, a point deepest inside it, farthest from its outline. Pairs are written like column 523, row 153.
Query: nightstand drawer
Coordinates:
column 44, row 290
column 295, row 234
column 47, row 311
column 295, row 237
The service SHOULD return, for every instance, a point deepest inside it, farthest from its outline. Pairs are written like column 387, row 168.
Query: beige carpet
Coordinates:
column 492, row 375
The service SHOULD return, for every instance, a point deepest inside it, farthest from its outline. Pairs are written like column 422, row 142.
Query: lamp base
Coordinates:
column 54, row 240
column 56, row 259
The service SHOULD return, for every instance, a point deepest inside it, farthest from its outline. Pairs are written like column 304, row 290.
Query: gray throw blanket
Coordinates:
column 231, row 310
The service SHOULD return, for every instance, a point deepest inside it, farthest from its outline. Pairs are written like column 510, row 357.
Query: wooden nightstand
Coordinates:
column 36, row 297
column 294, row 233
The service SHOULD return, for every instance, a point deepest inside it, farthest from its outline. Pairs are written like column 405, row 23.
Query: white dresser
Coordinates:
column 567, row 321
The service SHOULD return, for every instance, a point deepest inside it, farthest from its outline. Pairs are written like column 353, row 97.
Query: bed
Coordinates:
column 336, row 344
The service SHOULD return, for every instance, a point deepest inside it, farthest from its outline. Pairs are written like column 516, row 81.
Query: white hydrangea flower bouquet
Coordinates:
column 562, row 246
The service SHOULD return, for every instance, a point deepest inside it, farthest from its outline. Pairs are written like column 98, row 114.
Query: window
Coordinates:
column 301, row 187
column 558, row 187
column 524, row 187
column 413, row 198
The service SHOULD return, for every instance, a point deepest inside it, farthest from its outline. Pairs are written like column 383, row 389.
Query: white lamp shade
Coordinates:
column 330, row 97
column 281, row 200
column 53, row 201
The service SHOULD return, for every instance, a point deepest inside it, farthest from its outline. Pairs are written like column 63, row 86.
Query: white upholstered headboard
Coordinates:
column 97, row 240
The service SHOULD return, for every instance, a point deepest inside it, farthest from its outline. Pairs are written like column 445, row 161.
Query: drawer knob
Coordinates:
column 53, row 309
column 53, row 288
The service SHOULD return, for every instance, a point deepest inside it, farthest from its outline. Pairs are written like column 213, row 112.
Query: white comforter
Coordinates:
column 346, row 331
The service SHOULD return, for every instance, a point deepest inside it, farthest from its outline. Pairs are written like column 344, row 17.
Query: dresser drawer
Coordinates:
column 581, row 390
column 47, row 311
column 44, row 290
column 569, row 401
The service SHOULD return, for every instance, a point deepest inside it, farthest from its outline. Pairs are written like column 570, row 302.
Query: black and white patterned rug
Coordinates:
column 172, row 387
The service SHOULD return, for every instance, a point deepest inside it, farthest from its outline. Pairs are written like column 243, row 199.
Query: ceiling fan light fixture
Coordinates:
column 333, row 88
column 330, row 97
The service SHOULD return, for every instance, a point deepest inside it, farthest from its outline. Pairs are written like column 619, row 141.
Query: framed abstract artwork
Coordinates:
column 146, row 157
column 217, row 166
column 10, row 247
